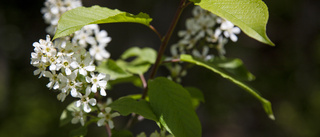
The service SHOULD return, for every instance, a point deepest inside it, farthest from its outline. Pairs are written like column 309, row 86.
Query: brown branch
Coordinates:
column 164, row 43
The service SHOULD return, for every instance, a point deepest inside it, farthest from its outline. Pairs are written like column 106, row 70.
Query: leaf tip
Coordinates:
column 271, row 116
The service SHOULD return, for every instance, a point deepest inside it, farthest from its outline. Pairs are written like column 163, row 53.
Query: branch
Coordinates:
column 157, row 32
column 164, row 43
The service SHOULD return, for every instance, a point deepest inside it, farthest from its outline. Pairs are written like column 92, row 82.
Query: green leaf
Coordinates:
column 172, row 105
column 250, row 15
column 121, row 133
column 136, row 81
column 143, row 55
column 265, row 103
column 143, row 58
column 81, row 131
column 195, row 1
column 196, row 96
column 127, row 105
column 110, row 67
column 234, row 67
column 137, row 97
column 134, row 67
column 75, row 19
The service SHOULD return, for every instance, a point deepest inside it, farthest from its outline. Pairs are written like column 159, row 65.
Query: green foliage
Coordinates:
column 143, row 58
column 127, row 105
column 75, row 19
column 234, row 67
column 121, row 133
column 250, row 15
column 110, row 67
column 196, row 96
column 135, row 80
column 195, row 1
column 79, row 132
column 172, row 105
column 142, row 55
column 213, row 67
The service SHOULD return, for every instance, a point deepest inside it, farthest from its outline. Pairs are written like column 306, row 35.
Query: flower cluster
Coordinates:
column 98, row 41
column 88, row 35
column 204, row 32
column 105, row 116
column 54, row 9
column 69, row 63
column 67, row 68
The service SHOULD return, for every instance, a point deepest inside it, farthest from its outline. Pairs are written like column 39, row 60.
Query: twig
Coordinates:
column 157, row 32
column 108, row 130
column 164, row 43
column 171, row 61
column 143, row 80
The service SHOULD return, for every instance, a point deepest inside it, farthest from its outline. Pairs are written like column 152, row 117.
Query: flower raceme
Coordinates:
column 67, row 68
column 67, row 61
column 204, row 33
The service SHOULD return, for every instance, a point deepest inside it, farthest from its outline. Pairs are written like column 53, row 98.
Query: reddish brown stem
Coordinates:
column 164, row 43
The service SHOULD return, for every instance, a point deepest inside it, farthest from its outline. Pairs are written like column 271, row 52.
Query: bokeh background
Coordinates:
column 287, row 74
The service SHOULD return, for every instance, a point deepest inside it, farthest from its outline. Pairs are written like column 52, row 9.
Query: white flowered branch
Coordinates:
column 77, row 63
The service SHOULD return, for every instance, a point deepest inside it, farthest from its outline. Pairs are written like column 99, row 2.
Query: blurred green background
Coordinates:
column 287, row 74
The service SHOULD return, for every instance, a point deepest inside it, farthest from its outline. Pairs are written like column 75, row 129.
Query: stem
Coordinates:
column 108, row 130
column 164, row 43
column 157, row 32
column 171, row 61
column 143, row 80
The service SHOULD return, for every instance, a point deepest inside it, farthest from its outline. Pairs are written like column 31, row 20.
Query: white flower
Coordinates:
column 99, row 52
column 102, row 106
column 67, row 63
column 204, row 54
column 229, row 30
column 41, row 69
column 54, row 9
column 70, row 83
column 54, row 80
column 220, row 47
column 86, row 64
column 78, row 116
column 99, row 81
column 62, row 96
column 42, row 50
column 206, row 24
column 107, row 117
column 102, row 36
column 192, row 28
column 85, row 101
column 84, row 37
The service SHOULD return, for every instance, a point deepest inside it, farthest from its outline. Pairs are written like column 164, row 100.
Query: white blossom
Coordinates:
column 85, row 101
column 68, row 64
column 99, row 81
column 53, row 78
column 86, row 64
column 106, row 117
column 99, row 52
column 228, row 29
column 54, row 9
column 70, row 84
column 78, row 116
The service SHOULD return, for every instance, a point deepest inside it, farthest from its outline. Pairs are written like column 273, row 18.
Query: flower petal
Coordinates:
column 103, row 92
